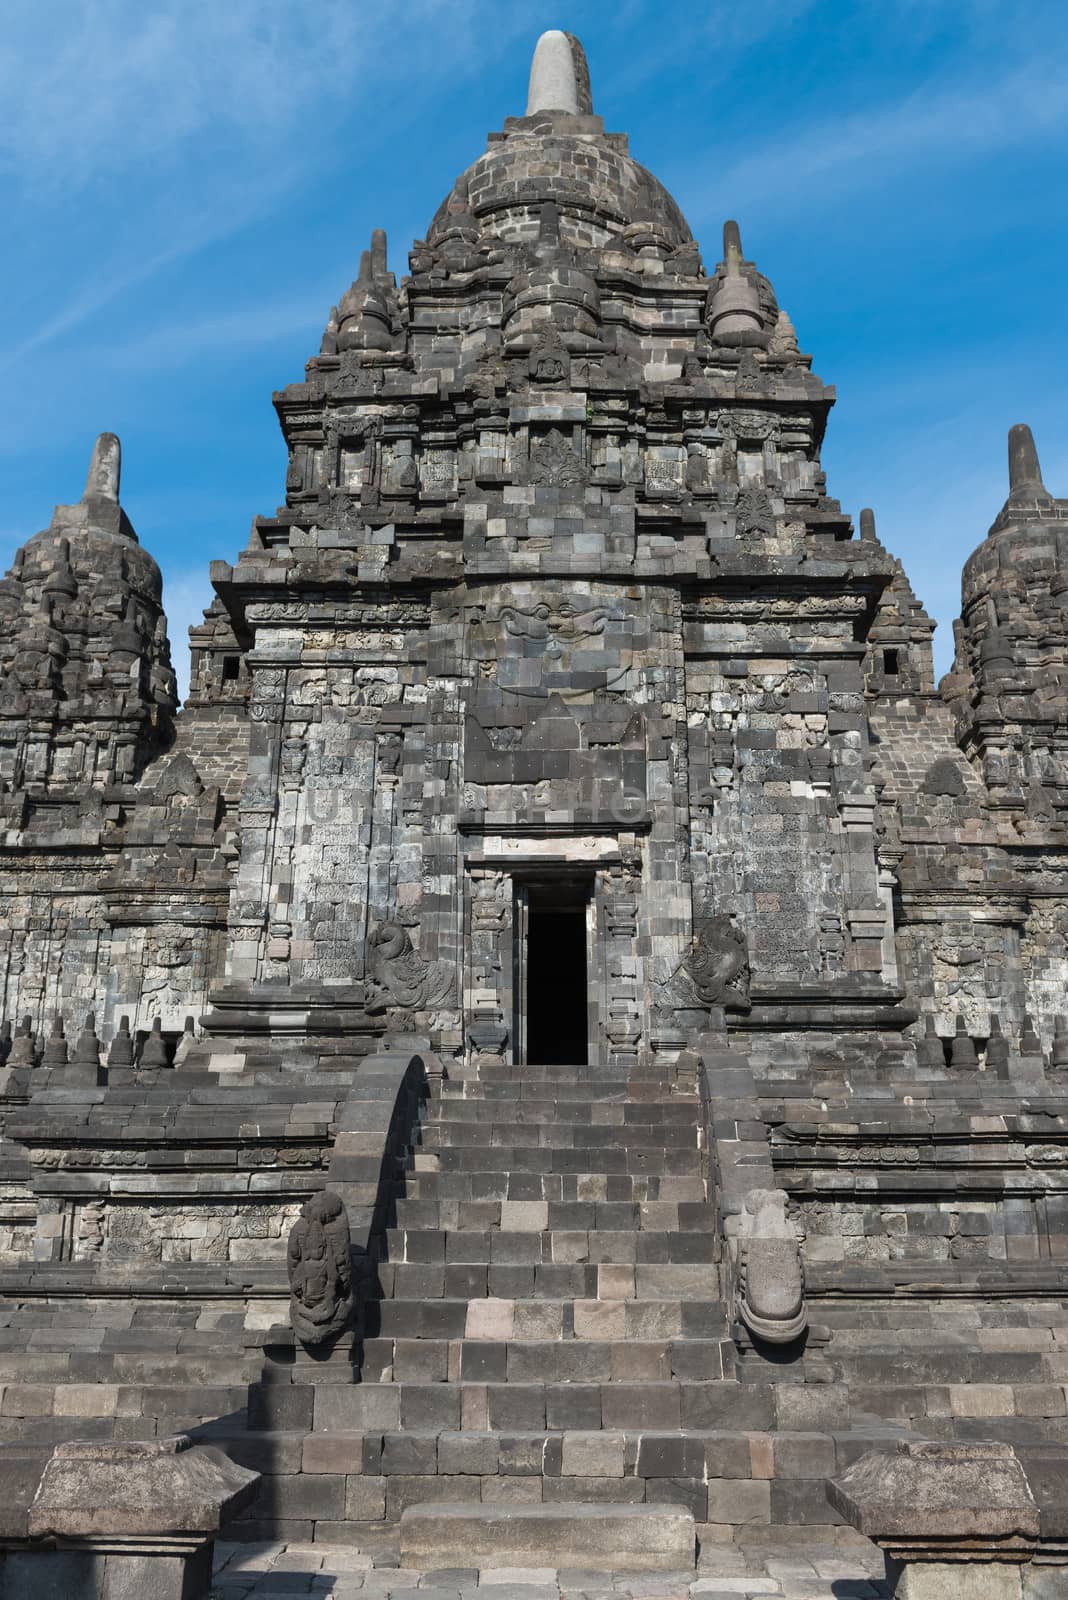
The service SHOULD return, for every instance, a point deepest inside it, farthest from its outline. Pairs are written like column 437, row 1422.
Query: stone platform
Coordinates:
column 816, row 1571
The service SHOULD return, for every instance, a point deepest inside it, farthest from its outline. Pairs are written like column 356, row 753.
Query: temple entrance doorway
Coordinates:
column 552, row 980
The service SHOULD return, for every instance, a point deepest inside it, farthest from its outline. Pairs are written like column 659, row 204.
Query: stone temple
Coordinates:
column 560, row 1042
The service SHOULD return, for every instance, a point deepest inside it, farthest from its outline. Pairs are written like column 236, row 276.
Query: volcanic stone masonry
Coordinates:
column 565, row 924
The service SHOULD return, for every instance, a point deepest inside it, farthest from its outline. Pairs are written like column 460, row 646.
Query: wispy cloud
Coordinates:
column 114, row 277
column 938, row 125
column 249, row 326
column 112, row 84
column 93, row 88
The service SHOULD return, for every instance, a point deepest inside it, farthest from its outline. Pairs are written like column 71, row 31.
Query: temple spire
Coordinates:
column 559, row 76
column 105, row 469
column 1025, row 474
column 732, row 247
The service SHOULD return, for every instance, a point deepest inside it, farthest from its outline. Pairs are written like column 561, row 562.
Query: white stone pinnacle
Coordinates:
column 553, row 86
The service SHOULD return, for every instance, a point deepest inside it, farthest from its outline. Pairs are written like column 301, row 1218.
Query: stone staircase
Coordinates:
column 556, row 1248
column 549, row 1335
column 550, row 1328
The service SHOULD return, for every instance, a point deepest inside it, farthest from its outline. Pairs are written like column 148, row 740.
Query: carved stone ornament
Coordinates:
column 399, row 975
column 748, row 425
column 944, row 778
column 549, row 359
column 770, row 1288
column 718, row 963
column 553, row 462
column 557, row 622
column 180, row 781
column 753, row 512
column 319, row 1262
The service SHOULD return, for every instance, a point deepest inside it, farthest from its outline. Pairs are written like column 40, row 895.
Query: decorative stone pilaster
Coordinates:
column 114, row 1519
column 979, row 1521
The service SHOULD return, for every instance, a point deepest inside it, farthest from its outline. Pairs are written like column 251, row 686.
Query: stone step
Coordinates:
column 534, row 1244
column 558, row 1133
column 481, row 1090
column 733, row 1477
column 638, row 1078
column 579, row 1158
column 425, row 1181
column 563, row 1113
column 411, row 1280
column 504, row 1407
column 559, row 1215
column 636, row 1538
column 107, row 1409
column 466, row 1317
column 950, row 1409
column 488, row 1360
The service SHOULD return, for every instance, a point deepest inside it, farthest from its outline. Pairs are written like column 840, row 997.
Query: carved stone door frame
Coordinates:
column 520, row 929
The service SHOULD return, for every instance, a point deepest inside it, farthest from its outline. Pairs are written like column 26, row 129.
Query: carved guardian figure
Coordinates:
column 319, row 1261
column 399, row 975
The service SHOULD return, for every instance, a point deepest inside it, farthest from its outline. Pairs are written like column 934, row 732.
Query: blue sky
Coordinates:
column 187, row 186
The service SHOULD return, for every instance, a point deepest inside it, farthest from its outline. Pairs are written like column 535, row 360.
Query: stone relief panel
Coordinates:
column 1044, row 952
column 333, row 840
column 763, row 808
column 955, row 1230
column 555, row 710
column 128, row 1233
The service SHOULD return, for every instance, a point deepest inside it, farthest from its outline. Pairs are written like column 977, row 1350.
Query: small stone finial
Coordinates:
column 121, row 1052
column 363, row 314
column 1025, row 474
column 23, row 1046
column 733, row 314
column 61, row 580
column 105, row 469
column 930, row 1050
column 867, row 525
column 997, row 1047
column 784, row 340
column 555, row 74
column 87, row 1045
column 1059, row 1055
column 186, row 1042
column 154, row 1049
column 962, row 1052
column 379, row 253
column 55, row 1050
column 1030, row 1043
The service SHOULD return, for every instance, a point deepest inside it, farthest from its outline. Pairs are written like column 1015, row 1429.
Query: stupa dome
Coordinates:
column 560, row 152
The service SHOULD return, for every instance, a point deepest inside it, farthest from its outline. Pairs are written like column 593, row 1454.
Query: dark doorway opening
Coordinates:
column 556, row 987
